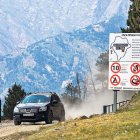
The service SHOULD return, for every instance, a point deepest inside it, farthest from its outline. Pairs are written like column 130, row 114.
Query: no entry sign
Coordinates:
column 124, row 61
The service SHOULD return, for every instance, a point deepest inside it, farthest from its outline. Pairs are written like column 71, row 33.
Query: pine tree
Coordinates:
column 102, row 64
column 71, row 94
column 70, row 90
column 133, row 21
column 16, row 93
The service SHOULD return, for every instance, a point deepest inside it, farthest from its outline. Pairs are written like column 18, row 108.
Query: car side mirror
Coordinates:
column 17, row 102
column 54, row 102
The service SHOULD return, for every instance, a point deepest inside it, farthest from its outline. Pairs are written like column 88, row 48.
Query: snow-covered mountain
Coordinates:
column 23, row 22
column 44, row 43
column 47, row 64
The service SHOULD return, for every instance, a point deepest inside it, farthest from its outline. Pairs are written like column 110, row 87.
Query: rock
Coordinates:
column 83, row 117
column 76, row 118
column 56, row 129
column 75, row 124
column 91, row 116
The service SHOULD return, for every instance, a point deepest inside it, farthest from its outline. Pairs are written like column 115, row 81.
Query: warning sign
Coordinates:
column 124, row 61
column 115, row 67
column 135, row 68
column 135, row 80
column 115, row 80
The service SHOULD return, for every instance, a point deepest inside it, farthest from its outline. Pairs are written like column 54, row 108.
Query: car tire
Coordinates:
column 17, row 122
column 49, row 116
column 62, row 119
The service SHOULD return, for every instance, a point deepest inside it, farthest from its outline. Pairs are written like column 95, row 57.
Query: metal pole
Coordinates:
column 115, row 101
column 104, row 109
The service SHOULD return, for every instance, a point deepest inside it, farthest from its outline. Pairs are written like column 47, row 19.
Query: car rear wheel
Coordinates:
column 62, row 118
column 17, row 122
column 49, row 117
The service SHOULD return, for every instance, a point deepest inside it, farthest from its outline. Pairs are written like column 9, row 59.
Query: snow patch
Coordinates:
column 98, row 28
column 29, row 62
column 64, row 64
column 25, row 79
column 65, row 83
column 49, row 69
column 3, row 95
column 76, row 60
column 72, row 74
column 111, row 10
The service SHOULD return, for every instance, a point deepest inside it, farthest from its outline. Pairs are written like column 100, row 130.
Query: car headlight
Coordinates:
column 43, row 108
column 16, row 110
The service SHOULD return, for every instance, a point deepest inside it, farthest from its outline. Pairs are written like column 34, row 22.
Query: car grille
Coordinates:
column 28, row 110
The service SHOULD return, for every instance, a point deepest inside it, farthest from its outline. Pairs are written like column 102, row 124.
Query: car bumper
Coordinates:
column 36, row 117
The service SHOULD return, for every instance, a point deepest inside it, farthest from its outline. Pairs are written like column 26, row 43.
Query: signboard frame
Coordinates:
column 124, row 61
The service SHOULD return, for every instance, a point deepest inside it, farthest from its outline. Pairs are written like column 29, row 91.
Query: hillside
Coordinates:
column 26, row 22
column 56, row 59
column 123, row 125
column 49, row 42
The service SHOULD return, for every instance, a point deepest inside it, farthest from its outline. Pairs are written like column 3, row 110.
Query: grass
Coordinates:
column 123, row 125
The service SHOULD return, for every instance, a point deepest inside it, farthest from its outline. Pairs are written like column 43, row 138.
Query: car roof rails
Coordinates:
column 42, row 93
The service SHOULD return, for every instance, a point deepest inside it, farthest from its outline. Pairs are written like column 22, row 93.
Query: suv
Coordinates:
column 39, row 107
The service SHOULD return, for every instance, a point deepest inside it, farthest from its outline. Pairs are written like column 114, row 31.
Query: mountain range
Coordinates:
column 43, row 44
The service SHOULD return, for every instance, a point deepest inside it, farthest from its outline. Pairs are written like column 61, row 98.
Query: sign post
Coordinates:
column 115, row 101
column 124, row 63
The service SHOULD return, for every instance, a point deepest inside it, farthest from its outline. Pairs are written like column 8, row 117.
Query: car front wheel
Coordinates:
column 17, row 122
column 49, row 117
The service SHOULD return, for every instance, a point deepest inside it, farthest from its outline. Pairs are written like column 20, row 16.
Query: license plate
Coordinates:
column 31, row 114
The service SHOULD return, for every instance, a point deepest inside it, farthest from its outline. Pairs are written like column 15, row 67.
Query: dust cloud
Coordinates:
column 94, row 104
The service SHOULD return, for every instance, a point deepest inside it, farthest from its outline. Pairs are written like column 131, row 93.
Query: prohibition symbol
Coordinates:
column 115, row 67
column 135, row 68
column 115, row 80
column 135, row 80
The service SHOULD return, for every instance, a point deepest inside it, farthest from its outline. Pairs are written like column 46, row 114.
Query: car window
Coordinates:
column 36, row 99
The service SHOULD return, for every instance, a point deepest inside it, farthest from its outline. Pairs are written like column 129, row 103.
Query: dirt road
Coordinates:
column 8, row 128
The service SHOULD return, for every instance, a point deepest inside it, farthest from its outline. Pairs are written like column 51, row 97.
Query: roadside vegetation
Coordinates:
column 123, row 125
column 15, row 94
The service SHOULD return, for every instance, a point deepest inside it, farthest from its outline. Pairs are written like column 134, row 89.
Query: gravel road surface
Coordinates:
column 8, row 127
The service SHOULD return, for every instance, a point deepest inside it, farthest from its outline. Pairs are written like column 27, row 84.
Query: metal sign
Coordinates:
column 124, row 61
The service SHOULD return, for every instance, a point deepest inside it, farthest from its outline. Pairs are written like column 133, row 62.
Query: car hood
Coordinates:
column 26, row 105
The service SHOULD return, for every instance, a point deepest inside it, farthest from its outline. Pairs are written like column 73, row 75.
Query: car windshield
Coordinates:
column 36, row 99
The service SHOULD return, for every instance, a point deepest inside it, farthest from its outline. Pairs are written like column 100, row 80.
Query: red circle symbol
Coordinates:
column 135, row 80
column 115, row 67
column 115, row 80
column 135, row 68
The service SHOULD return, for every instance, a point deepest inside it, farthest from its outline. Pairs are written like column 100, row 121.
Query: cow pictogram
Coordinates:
column 135, row 80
